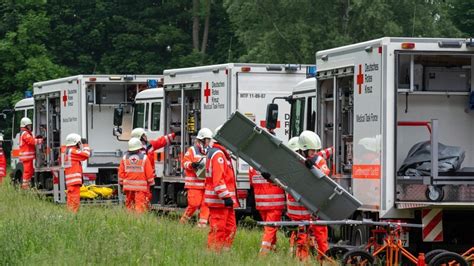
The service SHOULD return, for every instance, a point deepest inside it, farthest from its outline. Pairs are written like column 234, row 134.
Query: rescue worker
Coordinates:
column 27, row 150
column 193, row 160
column 270, row 202
column 77, row 151
column 3, row 161
column 135, row 175
column 150, row 147
column 220, row 196
column 308, row 144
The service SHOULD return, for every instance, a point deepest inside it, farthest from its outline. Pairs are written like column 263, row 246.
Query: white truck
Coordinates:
column 83, row 104
column 384, row 105
column 206, row 96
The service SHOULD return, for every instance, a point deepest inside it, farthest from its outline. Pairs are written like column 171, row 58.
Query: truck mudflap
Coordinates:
column 266, row 153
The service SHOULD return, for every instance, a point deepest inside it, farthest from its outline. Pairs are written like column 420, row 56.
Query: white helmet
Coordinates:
column 138, row 132
column 1, row 137
column 204, row 133
column 309, row 140
column 135, row 144
column 72, row 139
column 25, row 121
column 216, row 130
column 293, row 144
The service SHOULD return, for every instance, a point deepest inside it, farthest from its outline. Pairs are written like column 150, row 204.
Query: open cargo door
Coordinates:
column 266, row 153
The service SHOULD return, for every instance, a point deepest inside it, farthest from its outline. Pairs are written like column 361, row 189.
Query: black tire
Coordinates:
column 336, row 253
column 359, row 235
column 435, row 196
column 431, row 254
column 447, row 257
column 356, row 256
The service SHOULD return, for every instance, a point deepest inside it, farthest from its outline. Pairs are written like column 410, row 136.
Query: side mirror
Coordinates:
column 272, row 116
column 117, row 131
column 118, row 115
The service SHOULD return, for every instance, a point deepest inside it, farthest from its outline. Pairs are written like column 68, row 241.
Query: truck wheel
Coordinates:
column 359, row 235
column 448, row 258
column 436, row 193
column 358, row 257
column 431, row 254
column 336, row 253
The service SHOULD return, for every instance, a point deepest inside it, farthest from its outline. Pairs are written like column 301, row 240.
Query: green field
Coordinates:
column 36, row 231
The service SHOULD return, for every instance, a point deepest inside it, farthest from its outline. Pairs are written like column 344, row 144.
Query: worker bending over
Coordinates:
column 135, row 175
column 270, row 202
column 194, row 162
column 76, row 151
column 220, row 196
column 150, row 147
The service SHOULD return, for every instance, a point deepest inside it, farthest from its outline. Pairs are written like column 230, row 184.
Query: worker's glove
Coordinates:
column 228, row 202
column 84, row 141
column 309, row 163
column 195, row 165
column 266, row 175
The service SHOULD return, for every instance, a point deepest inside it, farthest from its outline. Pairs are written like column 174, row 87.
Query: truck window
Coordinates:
column 155, row 116
column 311, row 114
column 19, row 114
column 297, row 116
column 147, row 114
column 29, row 114
column 139, row 115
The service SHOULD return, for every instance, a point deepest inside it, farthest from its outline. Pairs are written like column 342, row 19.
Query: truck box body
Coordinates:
column 206, row 96
column 85, row 104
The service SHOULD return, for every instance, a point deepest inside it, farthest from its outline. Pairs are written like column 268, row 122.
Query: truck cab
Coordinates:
column 23, row 108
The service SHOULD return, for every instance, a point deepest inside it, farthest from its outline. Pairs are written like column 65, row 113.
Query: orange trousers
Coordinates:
column 269, row 232
column 222, row 228
column 136, row 201
column 73, row 198
column 303, row 243
column 196, row 202
column 28, row 172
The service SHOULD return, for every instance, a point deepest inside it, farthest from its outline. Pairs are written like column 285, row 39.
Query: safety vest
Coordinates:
column 27, row 145
column 72, row 164
column 220, row 179
column 3, row 164
column 268, row 196
column 191, row 180
column 136, row 172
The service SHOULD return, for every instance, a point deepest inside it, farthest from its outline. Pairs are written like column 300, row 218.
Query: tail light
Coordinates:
column 245, row 69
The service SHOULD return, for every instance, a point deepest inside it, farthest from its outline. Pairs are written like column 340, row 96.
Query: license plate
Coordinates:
column 243, row 204
column 405, row 238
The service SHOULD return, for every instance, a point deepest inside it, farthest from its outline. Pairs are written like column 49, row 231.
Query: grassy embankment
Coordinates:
column 35, row 231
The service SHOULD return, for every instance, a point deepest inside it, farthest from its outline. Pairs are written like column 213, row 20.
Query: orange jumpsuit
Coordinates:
column 270, row 202
column 195, row 187
column 27, row 155
column 136, row 175
column 220, row 184
column 3, row 165
column 297, row 212
column 73, row 157
column 150, row 151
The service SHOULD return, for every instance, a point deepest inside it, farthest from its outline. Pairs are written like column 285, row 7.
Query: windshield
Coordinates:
column 297, row 117
column 139, row 115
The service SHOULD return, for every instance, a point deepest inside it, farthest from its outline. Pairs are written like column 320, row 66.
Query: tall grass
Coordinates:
column 38, row 232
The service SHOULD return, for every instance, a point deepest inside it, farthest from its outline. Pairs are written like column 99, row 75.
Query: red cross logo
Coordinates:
column 360, row 79
column 64, row 98
column 207, row 92
column 263, row 123
column 134, row 159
